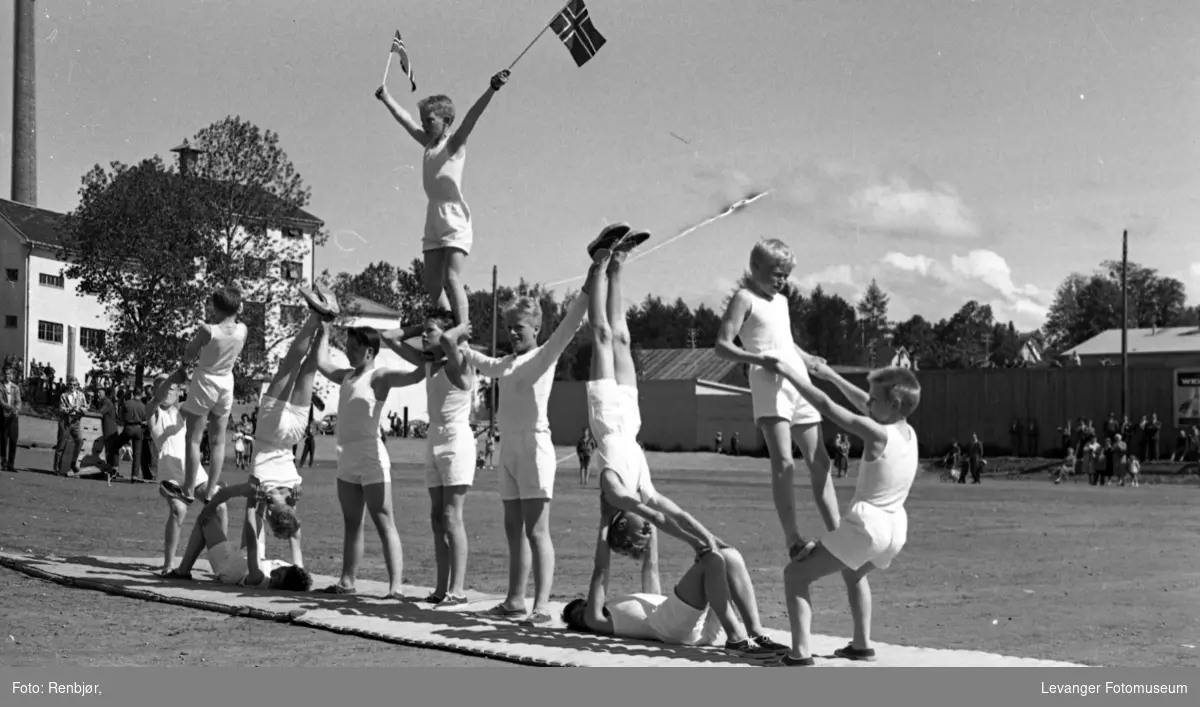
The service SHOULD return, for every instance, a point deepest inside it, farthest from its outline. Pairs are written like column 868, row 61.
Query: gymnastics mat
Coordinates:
column 459, row 629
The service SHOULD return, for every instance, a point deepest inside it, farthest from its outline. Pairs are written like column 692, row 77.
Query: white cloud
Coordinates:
column 982, row 275
column 832, row 275
column 896, row 206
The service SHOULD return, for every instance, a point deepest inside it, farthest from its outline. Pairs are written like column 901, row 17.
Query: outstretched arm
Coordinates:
column 402, row 116
column 595, row 618
column 731, row 323
column 325, row 363
column 202, row 336
column 457, row 369
column 459, row 138
column 865, row 428
column 389, row 378
column 397, row 340
column 857, row 396
column 662, row 514
column 554, row 347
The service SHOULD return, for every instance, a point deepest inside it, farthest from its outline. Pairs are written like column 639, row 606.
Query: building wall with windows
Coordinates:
column 59, row 318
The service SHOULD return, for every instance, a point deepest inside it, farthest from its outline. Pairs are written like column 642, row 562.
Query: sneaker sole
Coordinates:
column 631, row 241
column 608, row 238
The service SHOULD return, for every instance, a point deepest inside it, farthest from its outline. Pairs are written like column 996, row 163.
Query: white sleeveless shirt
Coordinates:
column 768, row 327
column 358, row 410
column 449, row 406
column 886, row 481
column 442, row 173
column 219, row 355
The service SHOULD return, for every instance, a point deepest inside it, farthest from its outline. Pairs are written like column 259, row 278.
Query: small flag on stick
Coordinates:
column 574, row 27
column 398, row 50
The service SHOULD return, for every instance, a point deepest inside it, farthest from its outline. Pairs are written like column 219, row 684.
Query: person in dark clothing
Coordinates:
column 1111, row 428
column 974, row 459
column 133, row 416
column 109, row 430
column 310, row 443
column 10, row 420
column 1152, row 433
column 1031, row 433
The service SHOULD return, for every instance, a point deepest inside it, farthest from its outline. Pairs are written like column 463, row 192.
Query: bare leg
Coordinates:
column 705, row 585
column 623, row 368
column 783, row 471
column 603, row 366
column 379, row 504
column 798, row 578
column 302, row 346
column 176, row 510
column 435, row 278
column 536, row 515
column 741, row 590
column 456, row 293
column 191, row 460
column 441, row 547
column 216, row 437
column 519, row 555
column 350, row 497
column 453, row 500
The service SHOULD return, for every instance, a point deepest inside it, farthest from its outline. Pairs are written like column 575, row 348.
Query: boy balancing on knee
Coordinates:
column 448, row 232
column 210, row 394
column 625, row 485
column 876, row 526
column 758, row 314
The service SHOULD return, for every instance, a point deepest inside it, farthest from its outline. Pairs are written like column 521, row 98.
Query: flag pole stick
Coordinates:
column 539, row 36
column 386, row 68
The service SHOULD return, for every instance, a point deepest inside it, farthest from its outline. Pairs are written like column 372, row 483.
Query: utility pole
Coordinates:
column 691, row 340
column 1124, row 323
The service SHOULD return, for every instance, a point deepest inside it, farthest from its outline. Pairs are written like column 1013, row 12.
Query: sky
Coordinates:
column 950, row 149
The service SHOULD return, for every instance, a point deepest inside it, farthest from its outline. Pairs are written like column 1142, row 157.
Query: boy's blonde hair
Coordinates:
column 440, row 106
column 525, row 308
column 769, row 253
column 900, row 387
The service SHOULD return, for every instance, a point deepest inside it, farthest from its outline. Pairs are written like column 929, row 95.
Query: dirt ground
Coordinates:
column 1102, row 576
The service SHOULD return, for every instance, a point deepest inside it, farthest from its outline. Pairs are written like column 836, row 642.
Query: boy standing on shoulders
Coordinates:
column 875, row 528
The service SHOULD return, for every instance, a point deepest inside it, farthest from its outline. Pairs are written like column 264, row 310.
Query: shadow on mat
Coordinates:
column 464, row 626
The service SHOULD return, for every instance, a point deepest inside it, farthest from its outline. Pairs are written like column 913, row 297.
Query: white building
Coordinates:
column 47, row 320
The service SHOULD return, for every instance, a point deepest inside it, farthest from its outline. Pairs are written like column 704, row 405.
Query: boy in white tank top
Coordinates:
column 876, row 527
column 364, row 478
column 450, row 467
column 758, row 314
column 215, row 348
column 448, row 230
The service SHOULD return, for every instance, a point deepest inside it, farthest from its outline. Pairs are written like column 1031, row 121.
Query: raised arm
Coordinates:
column 598, row 586
column 553, row 349
column 869, row 431
column 488, row 366
column 389, row 378
column 325, row 363
column 459, row 138
column 402, row 116
column 457, row 369
column 397, row 340
column 857, row 396
column 670, row 519
column 161, row 392
column 731, row 323
column 202, row 336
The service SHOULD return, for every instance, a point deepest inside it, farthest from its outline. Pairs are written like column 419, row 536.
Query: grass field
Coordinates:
column 1102, row 576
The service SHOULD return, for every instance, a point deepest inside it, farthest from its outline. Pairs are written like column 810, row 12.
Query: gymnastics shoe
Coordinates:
column 608, row 238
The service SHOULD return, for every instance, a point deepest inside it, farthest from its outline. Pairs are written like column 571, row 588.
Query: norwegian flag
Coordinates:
column 574, row 27
column 398, row 50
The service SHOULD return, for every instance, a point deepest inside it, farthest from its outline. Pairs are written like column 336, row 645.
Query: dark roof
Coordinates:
column 684, row 364
column 1141, row 341
column 39, row 226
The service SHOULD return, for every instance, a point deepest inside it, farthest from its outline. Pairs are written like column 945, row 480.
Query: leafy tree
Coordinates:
column 136, row 243
column 252, row 193
column 1086, row 305
column 829, row 328
column 873, row 313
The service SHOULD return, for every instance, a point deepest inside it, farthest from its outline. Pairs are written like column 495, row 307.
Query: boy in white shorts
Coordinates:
column 450, row 467
column 169, row 434
column 364, row 477
column 876, row 527
column 210, row 393
column 241, row 566
column 527, row 458
column 758, row 313
column 448, row 230
column 713, row 602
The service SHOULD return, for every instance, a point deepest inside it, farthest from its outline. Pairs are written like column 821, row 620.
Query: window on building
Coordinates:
column 291, row 270
column 50, row 332
column 13, row 274
column 293, row 233
column 254, row 315
column 92, row 339
column 256, row 267
column 51, row 280
column 291, row 314
column 10, row 321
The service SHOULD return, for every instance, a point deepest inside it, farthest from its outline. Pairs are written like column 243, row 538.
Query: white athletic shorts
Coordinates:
column 868, row 534
column 775, row 396
column 451, row 456
column 676, row 623
column 527, row 466
column 281, row 423
column 170, row 468
column 364, row 463
column 448, row 225
column 274, row 467
column 209, row 395
column 613, row 409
